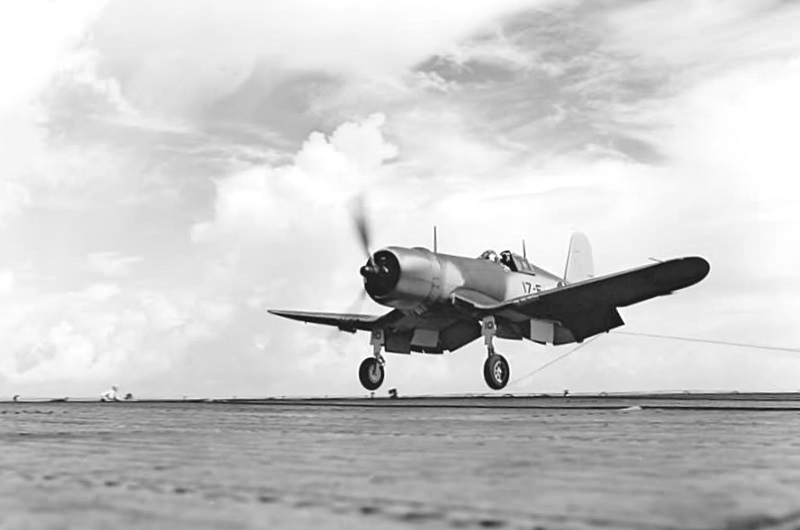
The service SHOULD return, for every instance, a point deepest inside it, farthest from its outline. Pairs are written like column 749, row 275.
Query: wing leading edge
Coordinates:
column 403, row 332
column 350, row 322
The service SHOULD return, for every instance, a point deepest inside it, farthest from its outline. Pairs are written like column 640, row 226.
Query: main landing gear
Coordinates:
column 495, row 370
column 371, row 372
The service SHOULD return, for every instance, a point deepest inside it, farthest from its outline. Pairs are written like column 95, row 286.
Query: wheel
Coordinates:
column 371, row 373
column 496, row 371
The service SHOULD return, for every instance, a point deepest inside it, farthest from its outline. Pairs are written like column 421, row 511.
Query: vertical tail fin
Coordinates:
column 580, row 265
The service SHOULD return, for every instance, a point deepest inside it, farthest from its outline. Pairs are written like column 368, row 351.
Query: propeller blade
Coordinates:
column 362, row 225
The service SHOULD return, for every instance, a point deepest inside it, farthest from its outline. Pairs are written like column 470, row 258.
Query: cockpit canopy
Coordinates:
column 489, row 255
column 508, row 259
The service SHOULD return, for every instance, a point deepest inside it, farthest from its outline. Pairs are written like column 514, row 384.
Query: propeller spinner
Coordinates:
column 381, row 273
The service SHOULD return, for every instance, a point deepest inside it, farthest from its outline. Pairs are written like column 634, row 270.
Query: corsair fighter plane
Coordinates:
column 442, row 302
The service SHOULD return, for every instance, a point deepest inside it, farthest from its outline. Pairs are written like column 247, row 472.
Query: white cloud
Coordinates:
column 13, row 198
column 193, row 57
column 22, row 156
column 442, row 140
column 78, row 80
column 35, row 37
column 112, row 264
column 707, row 34
column 180, row 304
column 493, row 48
column 100, row 292
column 326, row 173
column 38, row 41
column 102, row 333
column 7, row 281
column 725, row 120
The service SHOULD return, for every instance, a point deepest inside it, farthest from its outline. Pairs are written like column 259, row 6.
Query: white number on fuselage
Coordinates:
column 529, row 287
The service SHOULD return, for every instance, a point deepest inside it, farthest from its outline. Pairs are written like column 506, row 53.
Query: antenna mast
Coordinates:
column 435, row 242
column 524, row 251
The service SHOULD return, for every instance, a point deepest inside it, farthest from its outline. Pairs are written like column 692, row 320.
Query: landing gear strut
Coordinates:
column 371, row 371
column 495, row 370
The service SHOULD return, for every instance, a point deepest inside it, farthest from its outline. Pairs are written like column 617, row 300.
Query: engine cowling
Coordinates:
column 405, row 278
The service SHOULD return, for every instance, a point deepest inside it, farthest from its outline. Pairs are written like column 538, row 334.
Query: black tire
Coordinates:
column 496, row 371
column 371, row 373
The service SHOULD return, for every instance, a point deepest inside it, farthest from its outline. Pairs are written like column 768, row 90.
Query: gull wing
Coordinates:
column 618, row 290
column 350, row 322
column 590, row 306
column 433, row 332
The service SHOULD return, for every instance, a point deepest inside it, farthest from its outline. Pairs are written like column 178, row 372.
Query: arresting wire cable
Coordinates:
column 709, row 341
column 657, row 336
column 553, row 361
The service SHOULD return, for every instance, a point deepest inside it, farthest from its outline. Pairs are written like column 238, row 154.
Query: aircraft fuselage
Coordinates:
column 415, row 278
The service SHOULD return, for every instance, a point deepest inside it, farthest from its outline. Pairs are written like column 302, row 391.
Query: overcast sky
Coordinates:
column 170, row 169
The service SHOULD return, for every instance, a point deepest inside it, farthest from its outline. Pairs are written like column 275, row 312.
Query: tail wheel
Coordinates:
column 496, row 371
column 371, row 373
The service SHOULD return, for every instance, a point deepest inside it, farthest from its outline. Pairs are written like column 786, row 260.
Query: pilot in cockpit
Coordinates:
column 507, row 260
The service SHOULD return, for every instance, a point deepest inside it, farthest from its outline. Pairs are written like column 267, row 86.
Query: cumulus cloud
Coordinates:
column 41, row 41
column 102, row 333
column 79, row 88
column 325, row 173
column 47, row 32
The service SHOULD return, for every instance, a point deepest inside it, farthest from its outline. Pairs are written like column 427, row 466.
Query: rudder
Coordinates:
column 580, row 264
